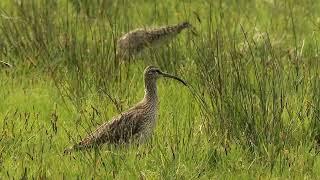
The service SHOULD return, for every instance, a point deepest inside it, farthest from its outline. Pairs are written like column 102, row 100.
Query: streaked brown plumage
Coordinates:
column 135, row 41
column 134, row 125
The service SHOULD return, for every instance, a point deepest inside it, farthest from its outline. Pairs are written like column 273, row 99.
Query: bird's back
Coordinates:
column 136, row 124
column 136, row 40
column 165, row 32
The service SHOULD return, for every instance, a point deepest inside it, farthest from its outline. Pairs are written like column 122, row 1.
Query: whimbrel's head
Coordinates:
column 152, row 73
column 186, row 24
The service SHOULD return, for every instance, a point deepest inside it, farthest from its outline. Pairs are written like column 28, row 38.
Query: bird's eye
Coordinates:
column 158, row 71
column 151, row 72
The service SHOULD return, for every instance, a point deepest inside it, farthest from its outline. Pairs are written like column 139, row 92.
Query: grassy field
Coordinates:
column 253, row 111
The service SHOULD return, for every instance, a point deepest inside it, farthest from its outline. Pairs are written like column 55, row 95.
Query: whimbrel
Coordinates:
column 137, row 40
column 133, row 125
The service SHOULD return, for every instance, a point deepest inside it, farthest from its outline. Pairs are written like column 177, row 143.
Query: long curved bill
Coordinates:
column 173, row 77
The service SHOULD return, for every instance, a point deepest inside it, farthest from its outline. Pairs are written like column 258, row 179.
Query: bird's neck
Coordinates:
column 179, row 27
column 151, row 91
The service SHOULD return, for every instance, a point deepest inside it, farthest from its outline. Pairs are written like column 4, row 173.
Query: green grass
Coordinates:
column 253, row 110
